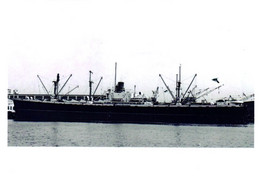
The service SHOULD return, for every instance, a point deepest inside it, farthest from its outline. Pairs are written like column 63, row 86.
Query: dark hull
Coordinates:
column 54, row 112
column 250, row 107
column 10, row 115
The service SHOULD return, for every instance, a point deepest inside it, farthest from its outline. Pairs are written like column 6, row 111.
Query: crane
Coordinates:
column 201, row 91
column 167, row 87
column 97, row 86
column 247, row 97
column 72, row 90
column 206, row 93
column 190, row 92
column 189, row 86
column 65, row 83
column 43, row 84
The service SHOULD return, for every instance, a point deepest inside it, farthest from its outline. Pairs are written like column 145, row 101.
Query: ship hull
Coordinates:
column 125, row 113
column 10, row 114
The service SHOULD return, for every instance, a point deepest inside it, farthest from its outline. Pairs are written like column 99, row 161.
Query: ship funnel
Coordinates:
column 120, row 87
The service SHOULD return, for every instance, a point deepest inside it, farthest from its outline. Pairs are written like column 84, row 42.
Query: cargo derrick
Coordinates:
column 169, row 90
column 43, row 84
column 178, row 99
column 188, row 99
column 208, row 92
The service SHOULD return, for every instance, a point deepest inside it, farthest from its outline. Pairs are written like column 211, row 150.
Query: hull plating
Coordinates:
column 46, row 111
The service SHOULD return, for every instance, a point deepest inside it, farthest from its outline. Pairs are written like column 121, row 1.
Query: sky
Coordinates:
column 213, row 39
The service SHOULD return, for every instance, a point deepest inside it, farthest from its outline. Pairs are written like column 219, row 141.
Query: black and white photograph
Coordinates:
column 151, row 79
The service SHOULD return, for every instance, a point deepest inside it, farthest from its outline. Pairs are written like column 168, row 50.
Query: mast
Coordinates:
column 134, row 90
column 115, row 73
column 178, row 85
column 90, row 85
column 56, row 83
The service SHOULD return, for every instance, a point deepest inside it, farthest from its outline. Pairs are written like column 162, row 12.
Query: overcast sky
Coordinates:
column 216, row 39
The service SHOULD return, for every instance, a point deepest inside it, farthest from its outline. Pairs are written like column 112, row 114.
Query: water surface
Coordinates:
column 127, row 135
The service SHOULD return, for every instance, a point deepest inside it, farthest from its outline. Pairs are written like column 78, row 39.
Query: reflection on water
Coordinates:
column 127, row 135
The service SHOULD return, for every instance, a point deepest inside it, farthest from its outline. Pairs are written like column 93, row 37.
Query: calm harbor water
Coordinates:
column 127, row 135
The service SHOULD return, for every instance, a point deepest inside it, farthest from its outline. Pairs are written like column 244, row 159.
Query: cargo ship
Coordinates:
column 121, row 106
